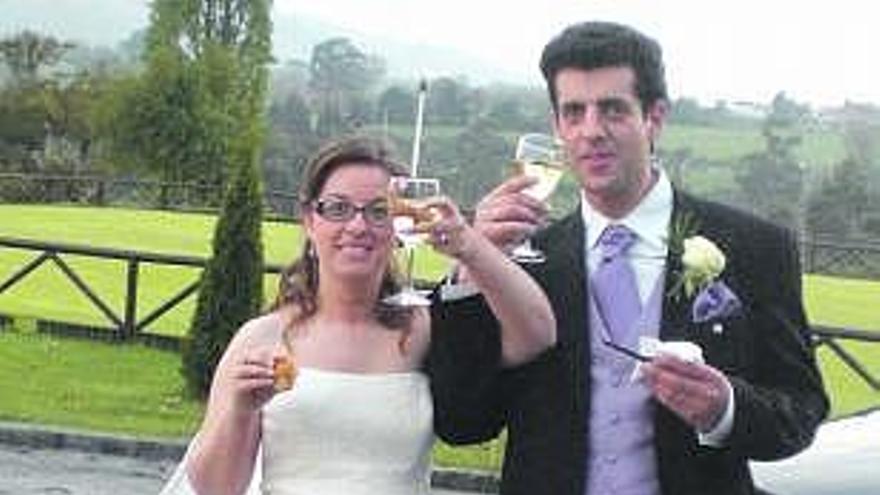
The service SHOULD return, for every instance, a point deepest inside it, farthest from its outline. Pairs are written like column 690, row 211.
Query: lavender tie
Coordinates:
column 614, row 282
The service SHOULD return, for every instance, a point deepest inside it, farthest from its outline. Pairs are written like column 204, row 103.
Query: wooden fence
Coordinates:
column 123, row 326
column 131, row 325
column 104, row 191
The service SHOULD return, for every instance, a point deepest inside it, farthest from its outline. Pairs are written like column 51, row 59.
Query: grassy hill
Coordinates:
column 714, row 156
column 819, row 147
column 719, row 143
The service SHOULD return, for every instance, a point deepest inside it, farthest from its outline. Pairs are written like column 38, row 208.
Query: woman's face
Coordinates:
column 349, row 223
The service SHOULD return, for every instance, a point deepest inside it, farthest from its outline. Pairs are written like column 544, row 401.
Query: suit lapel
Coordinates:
column 675, row 318
column 671, row 433
column 566, row 277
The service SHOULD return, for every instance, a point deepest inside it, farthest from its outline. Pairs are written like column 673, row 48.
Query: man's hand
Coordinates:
column 697, row 393
column 506, row 215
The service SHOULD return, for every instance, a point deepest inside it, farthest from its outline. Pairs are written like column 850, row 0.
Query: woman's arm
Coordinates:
column 528, row 325
column 223, row 456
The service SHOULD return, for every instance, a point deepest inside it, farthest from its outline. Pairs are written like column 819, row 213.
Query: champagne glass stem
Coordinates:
column 410, row 261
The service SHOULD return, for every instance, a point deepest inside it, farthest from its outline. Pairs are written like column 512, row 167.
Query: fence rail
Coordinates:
column 129, row 323
column 829, row 336
column 852, row 258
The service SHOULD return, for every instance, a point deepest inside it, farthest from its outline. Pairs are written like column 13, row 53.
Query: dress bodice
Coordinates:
column 338, row 433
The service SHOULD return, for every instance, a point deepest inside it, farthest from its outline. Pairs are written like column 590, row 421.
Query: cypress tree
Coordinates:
column 231, row 288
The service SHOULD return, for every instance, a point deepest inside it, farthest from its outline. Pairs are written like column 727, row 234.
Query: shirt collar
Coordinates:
column 649, row 219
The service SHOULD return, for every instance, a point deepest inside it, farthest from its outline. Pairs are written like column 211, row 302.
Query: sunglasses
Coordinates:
column 376, row 212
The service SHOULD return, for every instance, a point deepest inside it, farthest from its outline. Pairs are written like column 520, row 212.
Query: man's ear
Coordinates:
column 655, row 119
column 554, row 122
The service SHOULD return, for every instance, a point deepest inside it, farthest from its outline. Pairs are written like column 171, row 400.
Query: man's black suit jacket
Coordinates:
column 765, row 351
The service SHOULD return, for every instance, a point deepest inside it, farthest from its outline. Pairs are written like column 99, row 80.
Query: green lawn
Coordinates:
column 121, row 388
column 842, row 302
column 93, row 385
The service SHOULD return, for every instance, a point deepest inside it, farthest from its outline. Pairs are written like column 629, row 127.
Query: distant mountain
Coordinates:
column 109, row 22
column 296, row 35
column 89, row 22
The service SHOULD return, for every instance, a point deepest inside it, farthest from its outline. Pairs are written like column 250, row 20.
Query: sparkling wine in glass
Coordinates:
column 408, row 200
column 540, row 156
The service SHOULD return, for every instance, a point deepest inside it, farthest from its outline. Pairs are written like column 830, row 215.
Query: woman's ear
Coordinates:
column 307, row 220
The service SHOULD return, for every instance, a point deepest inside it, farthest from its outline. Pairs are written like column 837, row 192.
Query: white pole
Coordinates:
column 417, row 137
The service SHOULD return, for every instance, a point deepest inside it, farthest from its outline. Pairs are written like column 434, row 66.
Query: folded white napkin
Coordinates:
column 682, row 349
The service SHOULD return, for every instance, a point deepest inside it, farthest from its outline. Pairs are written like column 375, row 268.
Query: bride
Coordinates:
column 358, row 419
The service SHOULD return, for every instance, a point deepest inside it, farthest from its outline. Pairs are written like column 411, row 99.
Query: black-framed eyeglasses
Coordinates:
column 376, row 212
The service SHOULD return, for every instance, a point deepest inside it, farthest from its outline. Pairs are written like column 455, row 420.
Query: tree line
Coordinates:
column 138, row 111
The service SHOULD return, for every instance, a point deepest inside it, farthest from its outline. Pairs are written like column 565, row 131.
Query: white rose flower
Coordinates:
column 702, row 261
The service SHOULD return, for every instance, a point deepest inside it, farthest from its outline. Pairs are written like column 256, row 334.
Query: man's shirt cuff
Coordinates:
column 717, row 436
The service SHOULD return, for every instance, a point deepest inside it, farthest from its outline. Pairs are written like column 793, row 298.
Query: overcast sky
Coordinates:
column 739, row 49
column 818, row 51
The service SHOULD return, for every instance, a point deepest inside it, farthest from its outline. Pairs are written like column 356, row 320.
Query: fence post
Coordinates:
column 128, row 325
column 99, row 194
column 811, row 258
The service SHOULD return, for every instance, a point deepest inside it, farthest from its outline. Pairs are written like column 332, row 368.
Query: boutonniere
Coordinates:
column 702, row 262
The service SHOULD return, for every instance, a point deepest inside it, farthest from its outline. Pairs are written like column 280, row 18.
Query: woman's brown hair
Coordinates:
column 298, row 286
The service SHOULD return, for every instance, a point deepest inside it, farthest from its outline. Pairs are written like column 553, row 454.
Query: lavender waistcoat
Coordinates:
column 621, row 428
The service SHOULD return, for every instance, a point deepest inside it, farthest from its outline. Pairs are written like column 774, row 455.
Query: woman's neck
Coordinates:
column 347, row 302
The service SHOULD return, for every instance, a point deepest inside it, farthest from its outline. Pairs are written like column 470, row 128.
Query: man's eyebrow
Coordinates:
column 335, row 195
column 573, row 105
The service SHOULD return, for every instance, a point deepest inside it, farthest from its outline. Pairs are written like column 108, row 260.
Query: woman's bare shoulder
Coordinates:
column 263, row 330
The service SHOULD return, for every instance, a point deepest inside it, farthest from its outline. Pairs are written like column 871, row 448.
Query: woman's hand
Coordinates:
column 249, row 380
column 449, row 233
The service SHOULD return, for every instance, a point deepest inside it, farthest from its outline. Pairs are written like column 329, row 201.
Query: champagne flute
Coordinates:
column 540, row 156
column 408, row 197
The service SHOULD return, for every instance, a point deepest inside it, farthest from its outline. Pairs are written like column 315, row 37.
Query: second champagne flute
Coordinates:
column 539, row 156
column 407, row 199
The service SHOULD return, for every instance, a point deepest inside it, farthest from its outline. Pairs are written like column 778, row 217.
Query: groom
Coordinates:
column 637, row 259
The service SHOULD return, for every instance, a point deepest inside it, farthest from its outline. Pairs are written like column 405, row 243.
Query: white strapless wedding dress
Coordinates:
column 339, row 433
column 348, row 433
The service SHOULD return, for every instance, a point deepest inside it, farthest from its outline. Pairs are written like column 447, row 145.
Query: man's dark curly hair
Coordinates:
column 597, row 44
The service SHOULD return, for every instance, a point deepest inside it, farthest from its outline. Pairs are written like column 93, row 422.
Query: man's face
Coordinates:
column 607, row 135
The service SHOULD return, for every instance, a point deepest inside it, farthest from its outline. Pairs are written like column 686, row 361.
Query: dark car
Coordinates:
column 844, row 459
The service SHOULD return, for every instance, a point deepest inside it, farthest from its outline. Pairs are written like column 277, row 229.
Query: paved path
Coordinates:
column 842, row 461
column 33, row 471
column 29, row 471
